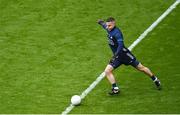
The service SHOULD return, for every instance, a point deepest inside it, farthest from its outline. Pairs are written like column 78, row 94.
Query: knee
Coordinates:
column 107, row 71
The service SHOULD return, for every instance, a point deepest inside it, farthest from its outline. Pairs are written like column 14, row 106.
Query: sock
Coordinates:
column 153, row 77
column 114, row 85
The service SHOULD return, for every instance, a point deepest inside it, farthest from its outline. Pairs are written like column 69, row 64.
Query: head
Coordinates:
column 110, row 22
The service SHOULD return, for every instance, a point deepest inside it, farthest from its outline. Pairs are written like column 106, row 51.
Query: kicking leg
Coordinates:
column 144, row 69
column 148, row 72
column 111, row 79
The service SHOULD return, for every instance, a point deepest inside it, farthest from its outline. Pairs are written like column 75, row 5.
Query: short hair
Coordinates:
column 110, row 19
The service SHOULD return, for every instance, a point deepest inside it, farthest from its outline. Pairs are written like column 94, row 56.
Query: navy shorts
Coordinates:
column 126, row 58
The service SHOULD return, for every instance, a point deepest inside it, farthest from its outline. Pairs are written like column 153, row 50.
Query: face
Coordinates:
column 110, row 25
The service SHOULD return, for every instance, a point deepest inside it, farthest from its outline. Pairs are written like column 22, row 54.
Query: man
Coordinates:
column 121, row 55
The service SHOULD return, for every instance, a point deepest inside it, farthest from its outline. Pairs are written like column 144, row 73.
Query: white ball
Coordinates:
column 76, row 100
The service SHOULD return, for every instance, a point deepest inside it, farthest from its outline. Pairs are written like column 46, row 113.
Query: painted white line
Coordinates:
column 84, row 93
column 144, row 34
column 135, row 43
column 68, row 109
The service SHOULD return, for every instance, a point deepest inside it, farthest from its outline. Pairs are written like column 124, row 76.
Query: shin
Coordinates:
column 109, row 74
column 144, row 69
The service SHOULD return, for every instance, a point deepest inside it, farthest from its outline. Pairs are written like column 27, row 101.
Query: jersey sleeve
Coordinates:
column 103, row 24
column 120, row 42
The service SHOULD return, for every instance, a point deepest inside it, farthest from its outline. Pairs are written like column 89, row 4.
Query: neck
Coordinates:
column 112, row 28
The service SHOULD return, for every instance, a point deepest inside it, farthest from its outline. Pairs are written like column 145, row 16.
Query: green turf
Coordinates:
column 159, row 52
column 53, row 49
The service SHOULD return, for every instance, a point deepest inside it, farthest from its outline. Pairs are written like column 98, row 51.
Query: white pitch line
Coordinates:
column 135, row 43
column 144, row 34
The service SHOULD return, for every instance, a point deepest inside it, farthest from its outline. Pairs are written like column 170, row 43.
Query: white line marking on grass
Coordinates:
column 144, row 34
column 84, row 93
column 135, row 43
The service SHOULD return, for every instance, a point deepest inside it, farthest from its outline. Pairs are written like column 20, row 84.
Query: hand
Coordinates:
column 113, row 58
column 100, row 21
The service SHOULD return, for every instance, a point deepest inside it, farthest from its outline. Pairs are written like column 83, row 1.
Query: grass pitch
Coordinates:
column 51, row 50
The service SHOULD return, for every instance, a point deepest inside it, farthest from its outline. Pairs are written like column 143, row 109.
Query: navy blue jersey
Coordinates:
column 115, row 39
column 121, row 54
